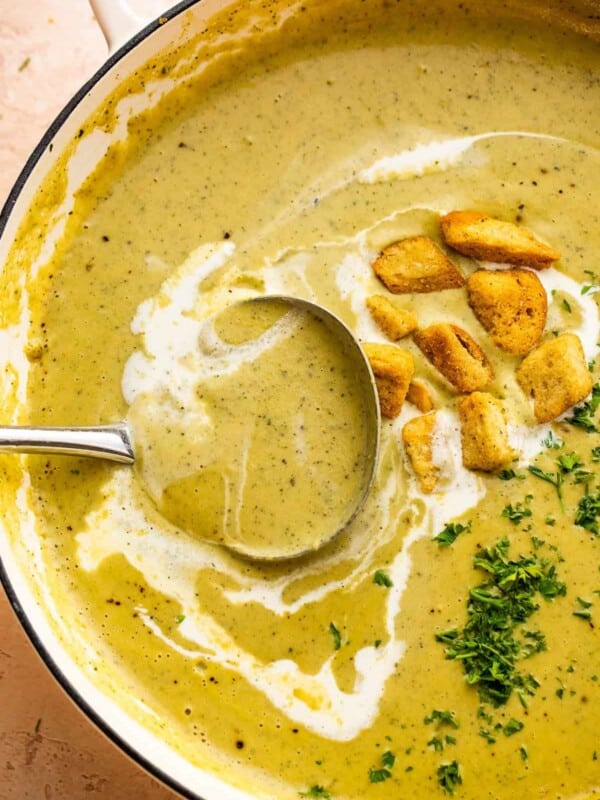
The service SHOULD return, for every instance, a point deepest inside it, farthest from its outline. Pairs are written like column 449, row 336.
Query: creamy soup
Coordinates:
column 285, row 169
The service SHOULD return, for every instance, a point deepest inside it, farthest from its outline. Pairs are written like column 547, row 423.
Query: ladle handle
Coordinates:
column 111, row 442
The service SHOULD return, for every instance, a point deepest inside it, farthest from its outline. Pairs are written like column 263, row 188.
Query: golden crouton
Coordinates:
column 393, row 369
column 511, row 305
column 476, row 234
column 394, row 322
column 417, row 436
column 556, row 376
column 419, row 395
column 456, row 355
column 484, row 433
column 416, row 264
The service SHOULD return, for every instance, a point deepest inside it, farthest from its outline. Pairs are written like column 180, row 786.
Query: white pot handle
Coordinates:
column 117, row 21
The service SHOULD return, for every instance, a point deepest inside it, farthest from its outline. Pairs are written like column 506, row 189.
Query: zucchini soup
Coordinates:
column 429, row 173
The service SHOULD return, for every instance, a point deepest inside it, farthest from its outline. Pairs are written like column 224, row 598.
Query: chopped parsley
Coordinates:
column 593, row 285
column 492, row 643
column 179, row 619
column 450, row 533
column 442, row 718
column 552, row 442
column 382, row 773
column 567, row 464
column 523, row 753
column 584, row 609
column 566, row 305
column 588, row 511
column 438, row 743
column 381, row 578
column 337, row 638
column 449, row 776
column 512, row 726
column 572, row 463
column 518, row 512
column 315, row 792
column 379, row 775
column 584, row 415
column 596, row 453
column 509, row 474
column 583, row 613
column 554, row 478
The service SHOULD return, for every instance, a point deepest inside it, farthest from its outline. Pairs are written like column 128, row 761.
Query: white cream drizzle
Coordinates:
column 436, row 156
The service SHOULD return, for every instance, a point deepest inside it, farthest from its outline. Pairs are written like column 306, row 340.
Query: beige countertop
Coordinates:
column 48, row 749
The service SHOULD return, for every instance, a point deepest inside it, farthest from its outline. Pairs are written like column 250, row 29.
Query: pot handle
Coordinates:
column 117, row 20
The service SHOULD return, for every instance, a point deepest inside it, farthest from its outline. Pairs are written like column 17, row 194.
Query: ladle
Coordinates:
column 115, row 443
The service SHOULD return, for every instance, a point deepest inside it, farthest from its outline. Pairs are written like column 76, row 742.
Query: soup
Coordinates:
column 326, row 134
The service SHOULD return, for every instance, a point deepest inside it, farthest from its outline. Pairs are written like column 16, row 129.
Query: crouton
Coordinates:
column 511, row 305
column 484, row 434
column 555, row 375
column 393, row 369
column 456, row 355
column 476, row 234
column 417, row 436
column 419, row 395
column 394, row 322
column 416, row 264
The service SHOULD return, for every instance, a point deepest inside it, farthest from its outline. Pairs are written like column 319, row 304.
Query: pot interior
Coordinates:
column 246, row 148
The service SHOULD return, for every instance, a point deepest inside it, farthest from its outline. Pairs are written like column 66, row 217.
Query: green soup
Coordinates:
column 332, row 130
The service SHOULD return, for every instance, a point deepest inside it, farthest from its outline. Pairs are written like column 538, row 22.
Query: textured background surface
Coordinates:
column 48, row 750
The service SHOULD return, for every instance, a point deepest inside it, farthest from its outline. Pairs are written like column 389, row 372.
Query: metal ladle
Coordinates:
column 114, row 442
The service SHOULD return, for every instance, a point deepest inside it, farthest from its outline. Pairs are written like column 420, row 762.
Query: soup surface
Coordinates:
column 286, row 169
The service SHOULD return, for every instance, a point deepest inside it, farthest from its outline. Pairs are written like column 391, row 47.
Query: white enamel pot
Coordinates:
column 132, row 42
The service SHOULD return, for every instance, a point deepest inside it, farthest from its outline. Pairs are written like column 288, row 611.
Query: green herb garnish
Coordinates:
column 379, row 775
column 337, row 638
column 492, row 643
column 442, row 718
column 588, row 511
column 449, row 776
column 517, row 512
column 487, row 736
column 451, row 532
column 584, row 415
column 509, row 474
column 512, row 726
column 583, row 613
column 554, row 478
column 316, row 791
column 593, row 286
column 552, row 442
column 381, row 578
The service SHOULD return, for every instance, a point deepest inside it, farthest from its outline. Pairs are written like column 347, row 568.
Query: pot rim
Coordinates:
column 5, row 212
